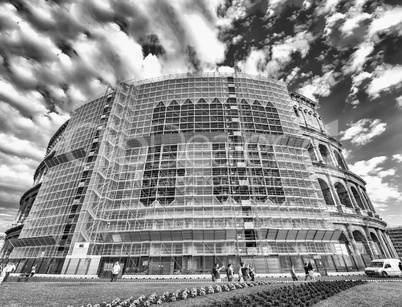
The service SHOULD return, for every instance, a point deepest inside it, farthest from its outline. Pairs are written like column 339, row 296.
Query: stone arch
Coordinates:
column 344, row 243
column 377, row 250
column 366, row 198
column 357, row 198
column 325, row 154
column 361, row 242
column 343, row 195
column 386, row 242
column 340, row 160
column 326, row 192
column 311, row 152
column 296, row 111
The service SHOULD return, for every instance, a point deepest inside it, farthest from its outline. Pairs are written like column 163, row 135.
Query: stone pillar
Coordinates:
column 371, row 243
column 357, row 256
column 352, row 198
column 334, row 193
column 384, row 245
column 391, row 246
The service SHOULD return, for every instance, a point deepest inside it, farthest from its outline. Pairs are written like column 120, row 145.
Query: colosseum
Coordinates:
column 173, row 174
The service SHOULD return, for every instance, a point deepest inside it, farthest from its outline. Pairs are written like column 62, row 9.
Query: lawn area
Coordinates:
column 46, row 294
column 62, row 294
column 378, row 294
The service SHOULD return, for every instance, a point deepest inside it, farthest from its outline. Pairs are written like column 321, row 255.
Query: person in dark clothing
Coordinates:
column 252, row 274
column 216, row 273
column 400, row 266
column 306, row 271
column 245, row 272
column 311, row 271
column 293, row 273
column 33, row 271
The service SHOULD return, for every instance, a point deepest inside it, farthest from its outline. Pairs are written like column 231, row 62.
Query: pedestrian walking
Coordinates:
column 311, row 271
column 2, row 274
column 305, row 267
column 216, row 273
column 293, row 273
column 115, row 271
column 240, row 274
column 230, row 272
column 252, row 273
column 33, row 271
column 245, row 272
column 400, row 266
column 10, row 268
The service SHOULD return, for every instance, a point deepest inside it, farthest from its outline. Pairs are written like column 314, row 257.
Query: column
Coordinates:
column 353, row 200
column 357, row 256
column 384, row 245
column 371, row 243
column 334, row 194
column 391, row 246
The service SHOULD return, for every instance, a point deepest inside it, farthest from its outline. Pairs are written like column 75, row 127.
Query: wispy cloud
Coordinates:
column 386, row 77
column 319, row 86
column 380, row 191
column 363, row 131
column 397, row 157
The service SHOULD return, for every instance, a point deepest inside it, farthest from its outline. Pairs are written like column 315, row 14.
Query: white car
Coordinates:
column 383, row 268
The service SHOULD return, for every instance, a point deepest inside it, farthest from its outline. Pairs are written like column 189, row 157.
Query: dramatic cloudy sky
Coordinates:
column 344, row 54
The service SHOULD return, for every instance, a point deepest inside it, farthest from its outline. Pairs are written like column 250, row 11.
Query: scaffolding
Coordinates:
column 163, row 185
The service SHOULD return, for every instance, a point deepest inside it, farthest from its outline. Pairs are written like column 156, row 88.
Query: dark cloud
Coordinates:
column 393, row 2
column 371, row 6
column 344, row 6
column 122, row 23
column 150, row 45
column 389, row 46
column 258, row 7
column 50, row 101
column 192, row 56
column 66, row 47
column 21, row 7
column 131, row 18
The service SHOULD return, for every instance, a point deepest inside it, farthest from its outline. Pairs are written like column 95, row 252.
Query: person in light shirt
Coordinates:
column 115, row 271
column 10, row 268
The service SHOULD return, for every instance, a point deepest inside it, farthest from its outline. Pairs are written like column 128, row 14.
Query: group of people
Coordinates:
column 10, row 268
column 308, row 270
column 245, row 272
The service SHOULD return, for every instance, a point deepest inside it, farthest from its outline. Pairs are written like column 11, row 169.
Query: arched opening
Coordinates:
column 361, row 243
column 368, row 202
column 326, row 192
column 343, row 247
column 357, row 198
column 296, row 111
column 343, row 195
column 384, row 239
column 312, row 154
column 326, row 157
column 340, row 160
column 377, row 246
